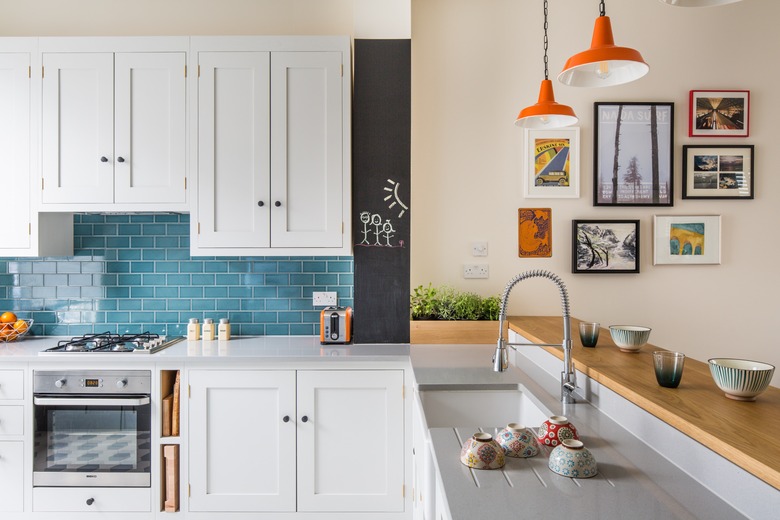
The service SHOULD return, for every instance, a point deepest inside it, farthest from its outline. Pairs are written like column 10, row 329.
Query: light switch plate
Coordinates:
column 479, row 249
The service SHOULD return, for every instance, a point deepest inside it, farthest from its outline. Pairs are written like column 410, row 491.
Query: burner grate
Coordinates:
column 105, row 342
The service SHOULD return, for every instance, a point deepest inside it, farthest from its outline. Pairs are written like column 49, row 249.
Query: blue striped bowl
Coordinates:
column 629, row 338
column 741, row 379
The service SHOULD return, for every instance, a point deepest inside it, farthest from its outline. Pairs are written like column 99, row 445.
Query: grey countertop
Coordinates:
column 633, row 481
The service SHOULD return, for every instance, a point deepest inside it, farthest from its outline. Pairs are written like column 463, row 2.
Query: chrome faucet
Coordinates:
column 501, row 357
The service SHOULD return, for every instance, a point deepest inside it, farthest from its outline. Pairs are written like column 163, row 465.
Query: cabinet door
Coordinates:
column 306, row 149
column 150, row 129
column 11, row 476
column 233, row 149
column 78, row 127
column 15, row 150
column 242, row 452
column 350, row 449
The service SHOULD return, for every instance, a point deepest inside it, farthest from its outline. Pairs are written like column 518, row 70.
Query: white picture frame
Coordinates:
column 686, row 239
column 552, row 163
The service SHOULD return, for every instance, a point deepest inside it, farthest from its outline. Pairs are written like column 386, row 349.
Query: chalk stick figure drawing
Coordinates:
column 388, row 230
column 393, row 189
column 376, row 221
column 365, row 218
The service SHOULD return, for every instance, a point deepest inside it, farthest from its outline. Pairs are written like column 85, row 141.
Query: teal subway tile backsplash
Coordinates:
column 134, row 273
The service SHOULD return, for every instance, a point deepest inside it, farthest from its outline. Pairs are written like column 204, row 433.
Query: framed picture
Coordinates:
column 686, row 239
column 633, row 154
column 534, row 232
column 552, row 166
column 719, row 113
column 605, row 246
column 717, row 172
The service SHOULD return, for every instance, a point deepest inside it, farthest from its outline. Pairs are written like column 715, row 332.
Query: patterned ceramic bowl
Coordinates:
column 629, row 338
column 572, row 459
column 741, row 379
column 555, row 430
column 481, row 452
column 518, row 441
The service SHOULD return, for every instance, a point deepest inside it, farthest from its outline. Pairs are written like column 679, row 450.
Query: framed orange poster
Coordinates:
column 534, row 232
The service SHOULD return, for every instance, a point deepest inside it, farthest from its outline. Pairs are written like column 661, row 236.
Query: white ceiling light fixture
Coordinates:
column 698, row 3
column 546, row 113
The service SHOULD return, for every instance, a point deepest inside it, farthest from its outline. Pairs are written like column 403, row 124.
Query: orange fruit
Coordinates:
column 21, row 326
column 8, row 317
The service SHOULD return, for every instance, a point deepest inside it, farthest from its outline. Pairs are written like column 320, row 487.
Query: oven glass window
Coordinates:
column 92, row 439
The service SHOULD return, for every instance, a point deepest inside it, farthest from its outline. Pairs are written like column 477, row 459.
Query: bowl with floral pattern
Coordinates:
column 572, row 459
column 555, row 430
column 481, row 451
column 518, row 441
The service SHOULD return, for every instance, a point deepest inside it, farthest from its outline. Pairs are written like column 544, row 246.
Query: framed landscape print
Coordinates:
column 534, row 232
column 719, row 113
column 605, row 246
column 633, row 154
column 552, row 163
column 686, row 240
column 717, row 172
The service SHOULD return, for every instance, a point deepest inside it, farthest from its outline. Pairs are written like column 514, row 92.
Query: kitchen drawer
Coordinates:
column 11, row 384
column 11, row 420
column 103, row 499
column 11, row 476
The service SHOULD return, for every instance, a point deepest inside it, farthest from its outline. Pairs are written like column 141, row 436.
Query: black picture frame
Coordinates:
column 641, row 173
column 718, row 171
column 605, row 246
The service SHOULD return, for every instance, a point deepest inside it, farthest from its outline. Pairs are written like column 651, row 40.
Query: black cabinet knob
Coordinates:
column 305, row 419
column 260, row 203
column 286, row 418
column 104, row 159
column 90, row 501
column 120, row 159
column 277, row 203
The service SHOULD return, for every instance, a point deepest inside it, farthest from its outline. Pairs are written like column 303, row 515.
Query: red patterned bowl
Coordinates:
column 556, row 429
column 482, row 452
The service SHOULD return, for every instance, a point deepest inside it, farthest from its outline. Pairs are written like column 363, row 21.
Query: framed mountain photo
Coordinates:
column 605, row 246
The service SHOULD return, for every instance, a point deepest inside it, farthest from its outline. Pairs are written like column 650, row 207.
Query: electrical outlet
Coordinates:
column 324, row 299
column 475, row 271
column 479, row 249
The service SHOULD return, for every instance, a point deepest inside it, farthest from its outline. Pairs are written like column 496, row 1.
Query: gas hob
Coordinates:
column 110, row 343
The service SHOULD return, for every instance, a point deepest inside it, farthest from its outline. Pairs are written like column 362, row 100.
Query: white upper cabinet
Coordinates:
column 113, row 125
column 273, row 146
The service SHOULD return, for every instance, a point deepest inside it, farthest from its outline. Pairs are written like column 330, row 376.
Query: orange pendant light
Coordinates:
column 604, row 64
column 546, row 113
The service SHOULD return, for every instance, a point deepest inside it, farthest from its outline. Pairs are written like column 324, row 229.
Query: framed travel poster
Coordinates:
column 717, row 172
column 534, row 232
column 719, row 113
column 605, row 246
column 633, row 154
column 686, row 239
column 552, row 168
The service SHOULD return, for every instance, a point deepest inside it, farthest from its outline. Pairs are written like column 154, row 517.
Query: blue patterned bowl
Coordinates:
column 741, row 379
column 572, row 459
column 629, row 338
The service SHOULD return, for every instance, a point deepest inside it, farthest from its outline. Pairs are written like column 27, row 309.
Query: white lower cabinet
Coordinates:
column 11, row 476
column 97, row 500
column 305, row 440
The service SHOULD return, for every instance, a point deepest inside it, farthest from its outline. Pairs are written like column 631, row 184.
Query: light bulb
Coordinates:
column 544, row 119
column 603, row 70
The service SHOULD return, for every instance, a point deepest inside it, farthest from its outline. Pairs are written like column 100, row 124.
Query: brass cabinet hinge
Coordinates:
column 29, row 228
column 42, row 73
column 185, row 71
column 403, row 392
column 185, row 183
column 403, row 490
column 198, row 69
column 29, row 71
column 189, row 490
column 342, row 70
column 189, row 391
column 199, row 228
column 41, row 183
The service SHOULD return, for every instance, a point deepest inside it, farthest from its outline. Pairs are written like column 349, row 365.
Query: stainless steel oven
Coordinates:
column 92, row 428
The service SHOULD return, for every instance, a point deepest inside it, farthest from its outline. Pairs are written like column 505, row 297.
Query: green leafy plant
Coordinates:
column 445, row 303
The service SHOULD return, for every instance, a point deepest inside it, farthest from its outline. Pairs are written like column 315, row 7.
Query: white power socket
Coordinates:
column 475, row 271
column 324, row 299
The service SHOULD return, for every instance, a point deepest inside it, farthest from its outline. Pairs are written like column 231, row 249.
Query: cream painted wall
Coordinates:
column 476, row 64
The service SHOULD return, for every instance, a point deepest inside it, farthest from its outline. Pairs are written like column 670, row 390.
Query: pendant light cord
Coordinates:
column 546, row 75
column 602, row 9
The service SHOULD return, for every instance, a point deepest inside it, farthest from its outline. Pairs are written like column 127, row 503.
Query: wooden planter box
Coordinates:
column 454, row 332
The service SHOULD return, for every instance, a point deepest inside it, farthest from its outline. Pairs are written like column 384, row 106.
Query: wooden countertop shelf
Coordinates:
column 697, row 407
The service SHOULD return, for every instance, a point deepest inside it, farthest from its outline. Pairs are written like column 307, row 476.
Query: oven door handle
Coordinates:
column 90, row 401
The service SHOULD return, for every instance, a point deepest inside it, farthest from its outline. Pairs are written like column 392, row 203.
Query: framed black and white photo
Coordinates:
column 633, row 154
column 717, row 172
column 552, row 165
column 719, row 113
column 605, row 246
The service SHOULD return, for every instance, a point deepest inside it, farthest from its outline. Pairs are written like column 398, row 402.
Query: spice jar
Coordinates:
column 193, row 330
column 209, row 329
column 224, row 329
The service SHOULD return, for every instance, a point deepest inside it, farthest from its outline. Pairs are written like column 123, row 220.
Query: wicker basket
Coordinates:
column 15, row 331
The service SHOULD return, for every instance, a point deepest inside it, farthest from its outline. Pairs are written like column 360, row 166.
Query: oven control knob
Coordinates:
column 90, row 501
column 59, row 383
column 121, row 383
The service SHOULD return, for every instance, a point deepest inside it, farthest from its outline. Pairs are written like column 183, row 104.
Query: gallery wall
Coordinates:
column 476, row 64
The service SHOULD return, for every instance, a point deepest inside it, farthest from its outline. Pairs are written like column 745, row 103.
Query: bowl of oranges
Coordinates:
column 13, row 328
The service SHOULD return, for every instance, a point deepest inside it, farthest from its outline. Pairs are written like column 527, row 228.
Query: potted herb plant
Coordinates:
column 445, row 315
